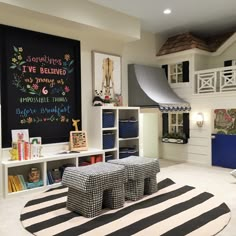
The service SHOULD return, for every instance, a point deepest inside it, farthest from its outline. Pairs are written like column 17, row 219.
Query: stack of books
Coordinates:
column 24, row 151
column 16, row 183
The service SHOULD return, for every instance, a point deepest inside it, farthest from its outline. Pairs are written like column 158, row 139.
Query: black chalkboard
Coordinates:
column 40, row 84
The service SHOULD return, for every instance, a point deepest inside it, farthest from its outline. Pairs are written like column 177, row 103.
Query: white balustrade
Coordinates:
column 215, row 80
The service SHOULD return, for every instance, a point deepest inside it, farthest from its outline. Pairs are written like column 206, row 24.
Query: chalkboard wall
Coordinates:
column 40, row 84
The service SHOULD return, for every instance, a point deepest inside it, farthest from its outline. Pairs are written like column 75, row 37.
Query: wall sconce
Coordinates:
column 200, row 119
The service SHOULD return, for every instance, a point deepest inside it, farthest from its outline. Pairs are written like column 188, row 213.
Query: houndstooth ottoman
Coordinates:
column 142, row 173
column 94, row 186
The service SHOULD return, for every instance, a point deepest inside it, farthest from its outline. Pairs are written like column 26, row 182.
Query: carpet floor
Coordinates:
column 175, row 210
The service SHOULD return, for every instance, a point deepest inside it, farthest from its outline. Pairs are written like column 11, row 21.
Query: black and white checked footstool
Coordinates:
column 93, row 187
column 142, row 173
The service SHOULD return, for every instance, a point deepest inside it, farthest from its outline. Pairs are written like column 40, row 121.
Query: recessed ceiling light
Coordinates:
column 167, row 11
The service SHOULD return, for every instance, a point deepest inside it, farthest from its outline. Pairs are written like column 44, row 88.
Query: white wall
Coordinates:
column 201, row 62
column 149, row 132
column 218, row 61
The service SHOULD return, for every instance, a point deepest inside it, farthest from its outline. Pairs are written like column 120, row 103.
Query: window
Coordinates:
column 175, row 125
column 178, row 72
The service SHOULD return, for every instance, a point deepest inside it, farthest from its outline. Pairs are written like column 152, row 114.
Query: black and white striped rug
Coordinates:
column 175, row 210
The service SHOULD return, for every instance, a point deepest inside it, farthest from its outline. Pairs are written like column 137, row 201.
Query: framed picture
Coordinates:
column 20, row 135
column 78, row 141
column 106, row 75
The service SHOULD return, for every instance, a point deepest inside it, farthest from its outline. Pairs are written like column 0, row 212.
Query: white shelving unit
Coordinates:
column 45, row 163
column 96, row 130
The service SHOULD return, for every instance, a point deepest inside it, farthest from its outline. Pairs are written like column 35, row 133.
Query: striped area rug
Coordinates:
column 175, row 210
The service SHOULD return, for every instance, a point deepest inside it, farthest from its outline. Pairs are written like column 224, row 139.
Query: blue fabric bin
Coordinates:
column 108, row 119
column 108, row 140
column 108, row 157
column 127, row 151
column 128, row 128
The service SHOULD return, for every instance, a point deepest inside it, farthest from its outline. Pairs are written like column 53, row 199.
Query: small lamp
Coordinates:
column 200, row 119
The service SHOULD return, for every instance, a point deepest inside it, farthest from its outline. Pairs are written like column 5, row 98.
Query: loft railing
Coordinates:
column 217, row 80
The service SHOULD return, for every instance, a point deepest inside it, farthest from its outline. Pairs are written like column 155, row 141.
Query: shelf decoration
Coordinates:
column 34, row 179
column 75, row 124
column 97, row 100
column 20, row 145
column 34, row 175
column 78, row 139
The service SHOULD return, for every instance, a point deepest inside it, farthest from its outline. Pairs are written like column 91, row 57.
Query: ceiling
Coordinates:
column 202, row 17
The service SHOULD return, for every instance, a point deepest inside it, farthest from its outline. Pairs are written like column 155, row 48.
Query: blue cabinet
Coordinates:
column 224, row 150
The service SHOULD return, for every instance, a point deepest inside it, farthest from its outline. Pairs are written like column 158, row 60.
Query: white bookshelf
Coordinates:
column 44, row 163
column 96, row 130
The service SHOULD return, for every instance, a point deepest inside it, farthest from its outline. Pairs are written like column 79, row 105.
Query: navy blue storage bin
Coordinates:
column 127, row 151
column 108, row 140
column 128, row 128
column 108, row 119
column 108, row 157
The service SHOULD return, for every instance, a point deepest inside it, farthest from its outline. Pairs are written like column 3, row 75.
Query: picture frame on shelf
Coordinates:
column 78, row 141
column 106, row 75
column 20, row 135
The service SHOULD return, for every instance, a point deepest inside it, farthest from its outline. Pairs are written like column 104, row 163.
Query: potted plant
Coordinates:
column 107, row 101
column 174, row 138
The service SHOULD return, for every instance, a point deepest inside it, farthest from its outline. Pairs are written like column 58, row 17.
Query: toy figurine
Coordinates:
column 75, row 124
column 34, row 175
column 97, row 100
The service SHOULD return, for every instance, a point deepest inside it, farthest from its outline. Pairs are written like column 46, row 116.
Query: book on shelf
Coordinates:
column 17, row 183
column 50, row 178
column 47, row 181
column 12, row 183
column 10, row 190
column 22, row 181
column 92, row 159
column 98, row 158
column 20, row 148
column 27, row 150
column 35, row 151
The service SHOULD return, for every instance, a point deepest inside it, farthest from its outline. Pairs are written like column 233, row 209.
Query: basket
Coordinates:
column 108, row 119
column 108, row 140
column 128, row 128
column 127, row 151
column 108, row 157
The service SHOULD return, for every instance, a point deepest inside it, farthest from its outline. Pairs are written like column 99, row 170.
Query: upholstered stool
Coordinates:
column 142, row 173
column 94, row 186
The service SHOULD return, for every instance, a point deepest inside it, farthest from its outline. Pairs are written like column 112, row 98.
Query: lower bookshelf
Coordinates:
column 47, row 164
